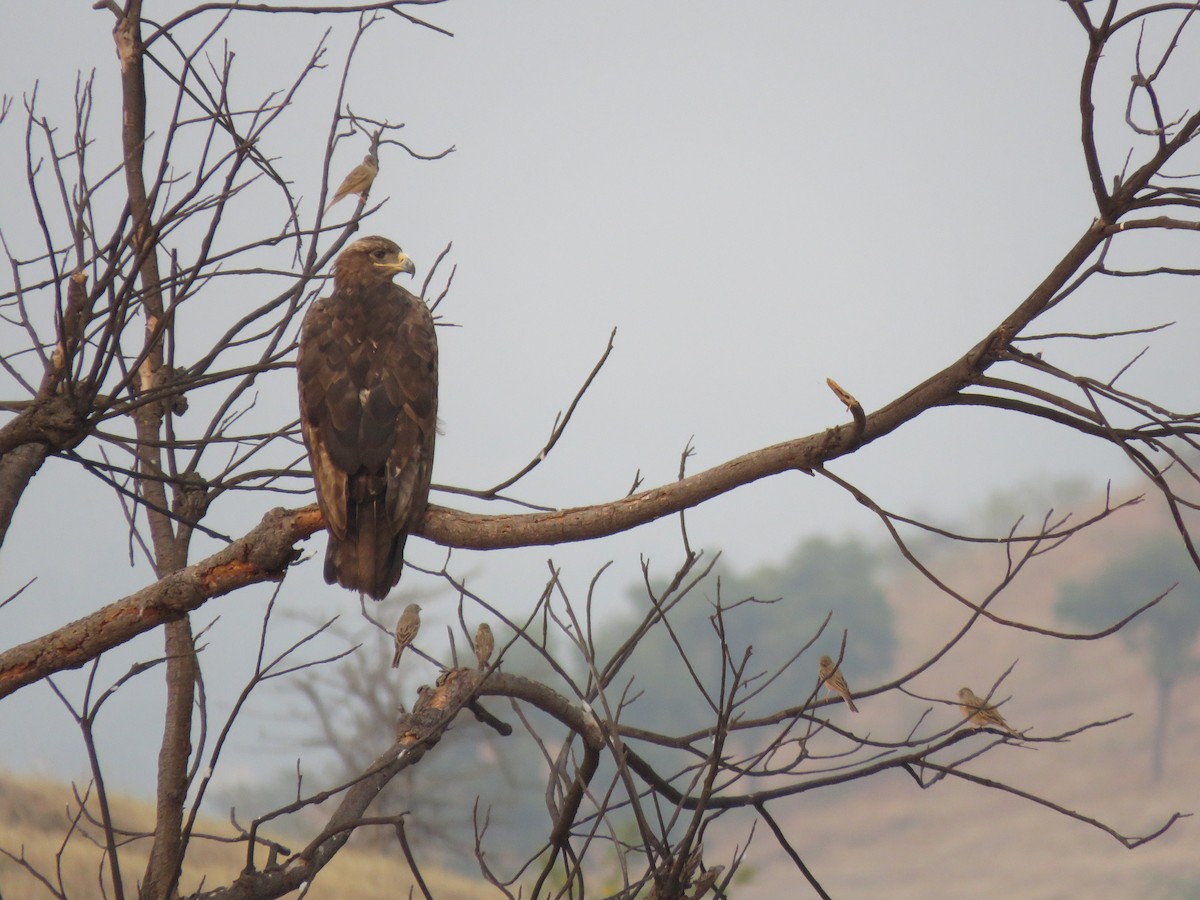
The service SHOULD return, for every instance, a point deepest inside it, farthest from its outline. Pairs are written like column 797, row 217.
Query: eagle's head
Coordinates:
column 369, row 262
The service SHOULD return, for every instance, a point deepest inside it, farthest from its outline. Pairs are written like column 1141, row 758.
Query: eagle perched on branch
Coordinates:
column 368, row 378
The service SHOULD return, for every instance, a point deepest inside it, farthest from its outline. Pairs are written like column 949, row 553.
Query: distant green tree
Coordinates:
column 822, row 576
column 1028, row 501
column 1163, row 637
column 819, row 577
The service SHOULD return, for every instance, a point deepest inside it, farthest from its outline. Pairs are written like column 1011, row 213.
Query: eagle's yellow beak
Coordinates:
column 399, row 263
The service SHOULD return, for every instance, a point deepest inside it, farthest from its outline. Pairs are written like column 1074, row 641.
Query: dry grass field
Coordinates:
column 34, row 817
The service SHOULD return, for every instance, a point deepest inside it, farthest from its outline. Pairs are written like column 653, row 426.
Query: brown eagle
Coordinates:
column 368, row 409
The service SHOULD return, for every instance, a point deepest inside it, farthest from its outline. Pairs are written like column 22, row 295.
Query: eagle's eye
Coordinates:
column 378, row 254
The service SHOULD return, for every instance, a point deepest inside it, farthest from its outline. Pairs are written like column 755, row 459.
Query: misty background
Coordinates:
column 756, row 197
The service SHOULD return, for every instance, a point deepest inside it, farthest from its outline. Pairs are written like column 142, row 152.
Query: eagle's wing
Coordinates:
column 410, row 382
column 322, row 389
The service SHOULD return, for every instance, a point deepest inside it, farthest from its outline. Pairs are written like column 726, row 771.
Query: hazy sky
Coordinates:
column 756, row 196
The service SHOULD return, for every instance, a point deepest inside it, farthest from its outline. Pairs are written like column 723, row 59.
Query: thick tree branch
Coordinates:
column 264, row 553
column 17, row 467
column 170, row 545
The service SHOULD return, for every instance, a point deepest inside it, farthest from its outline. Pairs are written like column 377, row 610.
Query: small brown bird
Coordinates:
column 359, row 180
column 835, row 682
column 980, row 713
column 484, row 644
column 407, row 627
column 704, row 882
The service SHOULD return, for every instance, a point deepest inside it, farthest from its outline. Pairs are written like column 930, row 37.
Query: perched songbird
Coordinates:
column 835, row 682
column 484, row 644
column 704, row 882
column 368, row 380
column 980, row 713
column 359, row 180
column 407, row 627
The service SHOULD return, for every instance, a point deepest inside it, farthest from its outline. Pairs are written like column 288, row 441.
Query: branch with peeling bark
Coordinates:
column 265, row 553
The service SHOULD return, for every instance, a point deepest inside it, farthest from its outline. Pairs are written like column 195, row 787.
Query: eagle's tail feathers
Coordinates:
column 371, row 558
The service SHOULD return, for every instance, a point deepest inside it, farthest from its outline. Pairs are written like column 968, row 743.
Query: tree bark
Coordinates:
column 17, row 467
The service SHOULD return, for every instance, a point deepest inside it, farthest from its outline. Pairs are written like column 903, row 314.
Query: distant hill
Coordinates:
column 886, row 837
